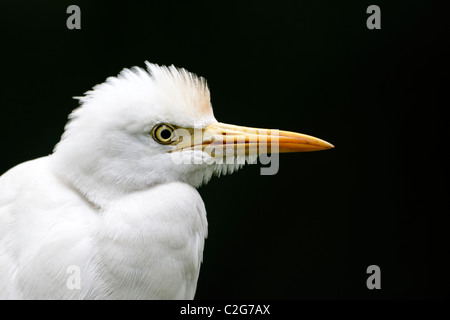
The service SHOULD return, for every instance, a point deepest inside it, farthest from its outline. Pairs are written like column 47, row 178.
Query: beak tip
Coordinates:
column 326, row 145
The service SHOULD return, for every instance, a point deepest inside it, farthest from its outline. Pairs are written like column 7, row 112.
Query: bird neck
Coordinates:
column 96, row 188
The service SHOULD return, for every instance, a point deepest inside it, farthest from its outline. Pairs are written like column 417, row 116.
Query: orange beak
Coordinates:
column 220, row 138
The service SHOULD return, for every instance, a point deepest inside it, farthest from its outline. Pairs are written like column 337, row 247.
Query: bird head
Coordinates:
column 146, row 127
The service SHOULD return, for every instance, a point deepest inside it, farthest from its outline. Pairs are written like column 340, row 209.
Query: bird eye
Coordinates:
column 163, row 133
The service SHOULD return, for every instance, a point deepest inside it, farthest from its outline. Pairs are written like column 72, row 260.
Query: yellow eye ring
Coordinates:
column 163, row 133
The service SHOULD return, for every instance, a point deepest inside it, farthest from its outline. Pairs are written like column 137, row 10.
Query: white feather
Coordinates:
column 109, row 199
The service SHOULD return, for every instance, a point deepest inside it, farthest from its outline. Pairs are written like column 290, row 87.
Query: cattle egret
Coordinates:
column 113, row 212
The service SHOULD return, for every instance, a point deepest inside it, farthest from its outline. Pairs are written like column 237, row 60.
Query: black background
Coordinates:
column 311, row 230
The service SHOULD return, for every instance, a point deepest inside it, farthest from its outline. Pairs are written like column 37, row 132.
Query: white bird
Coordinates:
column 113, row 212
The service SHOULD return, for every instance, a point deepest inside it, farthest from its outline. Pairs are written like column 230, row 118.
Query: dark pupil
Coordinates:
column 165, row 134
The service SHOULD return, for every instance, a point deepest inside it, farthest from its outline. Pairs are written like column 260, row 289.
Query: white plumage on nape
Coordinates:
column 115, row 205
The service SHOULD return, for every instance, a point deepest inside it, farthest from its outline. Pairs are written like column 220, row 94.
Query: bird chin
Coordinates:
column 199, row 170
